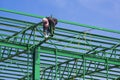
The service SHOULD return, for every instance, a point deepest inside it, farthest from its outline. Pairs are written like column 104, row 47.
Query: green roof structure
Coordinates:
column 84, row 53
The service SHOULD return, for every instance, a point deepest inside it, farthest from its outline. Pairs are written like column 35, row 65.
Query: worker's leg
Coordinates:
column 45, row 31
column 51, row 28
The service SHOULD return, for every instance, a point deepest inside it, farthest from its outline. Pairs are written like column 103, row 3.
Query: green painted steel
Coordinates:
column 107, row 68
column 70, row 54
column 56, row 63
column 84, row 67
column 20, row 13
column 51, row 51
column 63, row 21
column 86, row 56
column 71, row 31
column 36, row 64
column 8, row 44
column 65, row 53
column 0, row 52
column 23, row 31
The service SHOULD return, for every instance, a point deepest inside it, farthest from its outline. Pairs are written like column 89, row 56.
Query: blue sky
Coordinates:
column 101, row 13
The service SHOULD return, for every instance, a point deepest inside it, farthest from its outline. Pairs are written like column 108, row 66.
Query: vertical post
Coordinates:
column 107, row 68
column 52, row 74
column 84, row 67
column 28, row 64
column 59, row 72
column 68, row 69
column 34, row 36
column 56, row 67
column 36, row 64
column 39, row 63
column 0, row 52
column 76, row 67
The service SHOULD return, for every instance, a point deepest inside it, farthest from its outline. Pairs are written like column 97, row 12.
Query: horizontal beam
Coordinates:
column 15, row 21
column 20, row 47
column 8, row 77
column 50, row 67
column 93, row 67
column 24, row 30
column 22, row 59
column 20, row 13
column 88, row 34
column 13, row 45
column 73, row 31
column 64, row 53
column 58, row 39
column 92, row 72
column 62, row 21
column 90, row 57
column 102, row 37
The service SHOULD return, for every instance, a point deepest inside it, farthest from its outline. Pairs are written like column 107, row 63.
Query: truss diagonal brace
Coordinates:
column 60, row 53
column 92, row 72
column 23, row 31
column 62, row 21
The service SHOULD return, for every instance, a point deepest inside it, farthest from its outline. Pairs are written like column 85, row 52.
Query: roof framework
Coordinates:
column 69, row 55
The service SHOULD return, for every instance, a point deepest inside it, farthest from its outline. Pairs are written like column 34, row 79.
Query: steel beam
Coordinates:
column 0, row 52
column 13, row 45
column 105, row 41
column 62, row 21
column 36, row 64
column 63, row 53
column 23, row 31
column 92, row 72
column 90, row 57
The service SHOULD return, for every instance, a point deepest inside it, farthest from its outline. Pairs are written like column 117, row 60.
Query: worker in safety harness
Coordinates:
column 49, row 24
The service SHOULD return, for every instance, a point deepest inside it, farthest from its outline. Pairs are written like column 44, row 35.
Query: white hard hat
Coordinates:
column 44, row 19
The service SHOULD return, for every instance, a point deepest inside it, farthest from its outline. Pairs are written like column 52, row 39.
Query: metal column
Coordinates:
column 0, row 52
column 36, row 64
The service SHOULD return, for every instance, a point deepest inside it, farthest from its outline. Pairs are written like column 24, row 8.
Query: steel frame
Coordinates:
column 70, row 54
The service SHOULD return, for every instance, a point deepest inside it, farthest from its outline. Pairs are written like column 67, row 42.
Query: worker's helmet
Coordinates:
column 44, row 19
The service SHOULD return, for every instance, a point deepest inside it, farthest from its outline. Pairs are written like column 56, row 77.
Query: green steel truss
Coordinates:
column 69, row 55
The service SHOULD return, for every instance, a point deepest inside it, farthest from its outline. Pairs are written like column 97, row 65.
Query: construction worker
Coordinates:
column 49, row 26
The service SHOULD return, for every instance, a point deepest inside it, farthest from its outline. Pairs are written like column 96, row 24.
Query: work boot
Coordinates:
column 46, row 36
